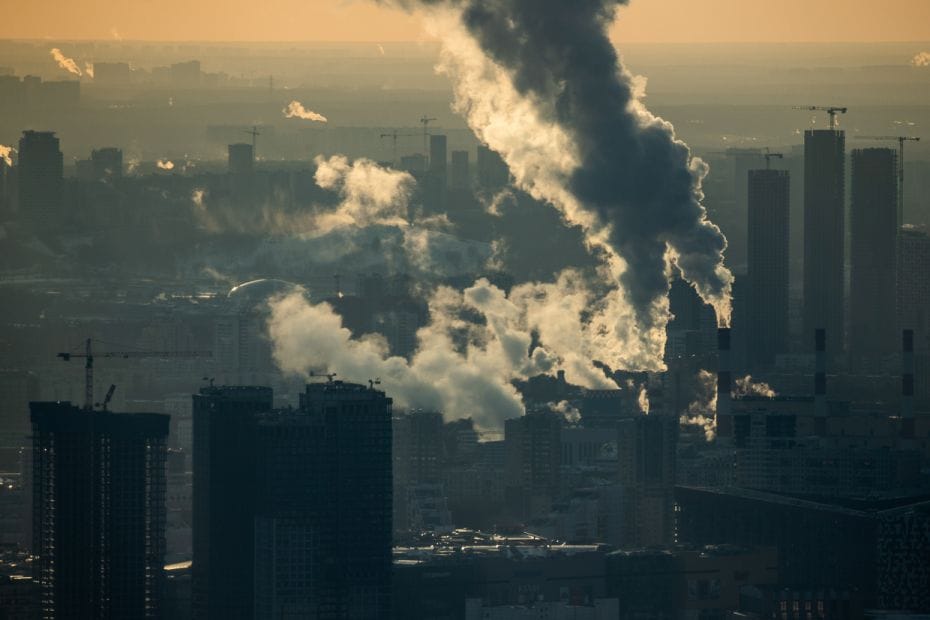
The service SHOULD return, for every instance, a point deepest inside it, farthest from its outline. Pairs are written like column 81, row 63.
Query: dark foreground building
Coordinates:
column 292, row 507
column 875, row 550
column 224, row 467
column 98, row 511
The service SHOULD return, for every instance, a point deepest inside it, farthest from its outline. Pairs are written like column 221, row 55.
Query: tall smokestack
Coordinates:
column 907, row 374
column 723, row 371
column 820, row 373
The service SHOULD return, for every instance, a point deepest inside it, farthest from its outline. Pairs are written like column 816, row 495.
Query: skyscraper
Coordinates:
column 824, row 234
column 767, row 329
column 438, row 161
column 98, row 511
column 40, row 178
column 873, row 231
column 493, row 173
column 460, row 178
column 224, row 473
column 323, row 520
column 914, row 283
column 533, row 462
column 241, row 159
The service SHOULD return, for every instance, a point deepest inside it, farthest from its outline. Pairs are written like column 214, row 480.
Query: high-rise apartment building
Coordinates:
column 40, row 177
column 461, row 174
column 241, row 159
column 768, row 254
column 223, row 506
column 873, row 236
column 323, row 533
column 98, row 511
column 533, row 462
column 824, row 234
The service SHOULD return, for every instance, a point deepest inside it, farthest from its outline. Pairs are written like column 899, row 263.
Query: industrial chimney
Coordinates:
column 723, row 371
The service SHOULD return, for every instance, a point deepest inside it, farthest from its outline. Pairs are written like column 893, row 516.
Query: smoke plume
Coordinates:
column 89, row 69
column 296, row 109
column 539, row 82
column 703, row 409
column 64, row 62
column 164, row 164
column 5, row 154
column 921, row 60
column 747, row 387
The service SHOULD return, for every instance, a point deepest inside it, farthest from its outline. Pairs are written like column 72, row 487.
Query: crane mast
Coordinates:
column 901, row 140
column 89, row 356
column 832, row 111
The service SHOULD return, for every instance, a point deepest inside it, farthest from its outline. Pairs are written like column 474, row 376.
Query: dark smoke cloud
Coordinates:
column 631, row 173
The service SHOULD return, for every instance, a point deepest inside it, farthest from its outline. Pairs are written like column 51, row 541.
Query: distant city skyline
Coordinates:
column 659, row 21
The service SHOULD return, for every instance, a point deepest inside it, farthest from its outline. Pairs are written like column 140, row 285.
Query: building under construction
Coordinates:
column 98, row 511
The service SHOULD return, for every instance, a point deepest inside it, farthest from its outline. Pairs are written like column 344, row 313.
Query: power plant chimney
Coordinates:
column 907, row 374
column 723, row 372
column 820, row 373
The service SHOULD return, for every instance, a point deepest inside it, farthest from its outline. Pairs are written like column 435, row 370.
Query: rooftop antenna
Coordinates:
column 373, row 382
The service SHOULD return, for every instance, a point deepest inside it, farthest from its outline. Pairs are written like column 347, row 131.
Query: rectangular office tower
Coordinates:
column 323, row 521
column 223, row 494
column 824, row 235
column 767, row 325
column 40, row 178
column 98, row 511
column 873, row 231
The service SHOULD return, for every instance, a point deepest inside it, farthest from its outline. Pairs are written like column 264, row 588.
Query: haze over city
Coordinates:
column 465, row 309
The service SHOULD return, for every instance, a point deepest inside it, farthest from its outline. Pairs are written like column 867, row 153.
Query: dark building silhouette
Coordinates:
column 914, row 283
column 241, row 159
column 875, row 549
column 438, row 160
column 493, row 173
column 107, row 163
column 224, row 470
column 873, row 236
column 98, row 511
column 824, row 234
column 646, row 467
column 533, row 462
column 767, row 328
column 323, row 529
column 460, row 173
column 40, row 177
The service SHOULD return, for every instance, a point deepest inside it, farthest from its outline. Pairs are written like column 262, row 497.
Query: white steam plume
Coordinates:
column 921, row 60
column 745, row 386
column 164, row 164
column 296, row 109
column 539, row 82
column 5, row 154
column 64, row 62
column 703, row 410
column 89, row 69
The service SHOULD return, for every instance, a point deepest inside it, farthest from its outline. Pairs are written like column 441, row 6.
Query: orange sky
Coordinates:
column 359, row 20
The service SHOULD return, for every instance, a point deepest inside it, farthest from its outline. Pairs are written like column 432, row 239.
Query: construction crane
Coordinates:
column 901, row 140
column 426, row 120
column 769, row 155
column 254, row 132
column 831, row 110
column 108, row 397
column 394, row 136
column 89, row 356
